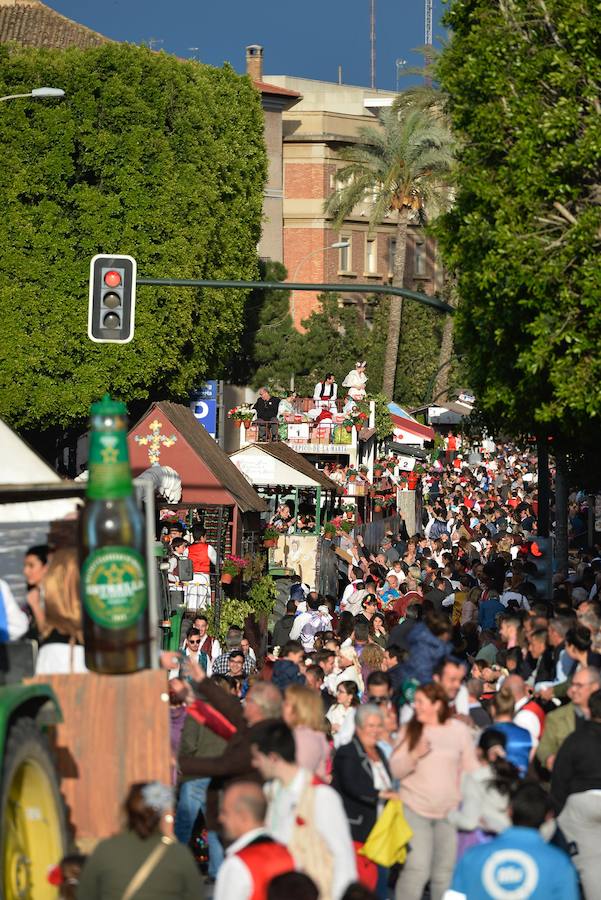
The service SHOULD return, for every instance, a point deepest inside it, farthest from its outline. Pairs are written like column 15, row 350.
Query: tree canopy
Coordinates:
column 145, row 155
column 523, row 80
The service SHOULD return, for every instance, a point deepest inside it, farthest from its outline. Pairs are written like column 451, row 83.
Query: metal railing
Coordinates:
column 304, row 426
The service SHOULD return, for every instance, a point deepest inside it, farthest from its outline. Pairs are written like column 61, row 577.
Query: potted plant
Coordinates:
column 378, row 468
column 329, row 530
column 378, row 501
column 347, row 526
column 351, row 474
column 232, row 566
column 412, row 480
column 270, row 536
column 240, row 414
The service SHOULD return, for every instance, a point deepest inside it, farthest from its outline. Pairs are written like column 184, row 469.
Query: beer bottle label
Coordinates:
column 114, row 588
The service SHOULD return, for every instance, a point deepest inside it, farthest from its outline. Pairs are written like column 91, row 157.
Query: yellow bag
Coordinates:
column 386, row 843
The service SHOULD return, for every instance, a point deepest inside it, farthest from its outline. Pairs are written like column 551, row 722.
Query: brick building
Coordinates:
column 328, row 116
column 275, row 100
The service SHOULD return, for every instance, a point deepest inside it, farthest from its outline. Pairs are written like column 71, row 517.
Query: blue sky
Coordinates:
column 308, row 39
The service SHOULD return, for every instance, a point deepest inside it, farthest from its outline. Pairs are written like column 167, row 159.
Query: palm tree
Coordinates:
column 401, row 168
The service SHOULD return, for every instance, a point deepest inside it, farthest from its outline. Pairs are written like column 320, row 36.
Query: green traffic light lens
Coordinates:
column 111, row 300
column 111, row 320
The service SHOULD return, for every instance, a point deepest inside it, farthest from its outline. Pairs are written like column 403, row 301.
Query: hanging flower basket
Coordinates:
column 232, row 566
column 237, row 423
column 377, row 507
column 378, row 471
column 349, row 428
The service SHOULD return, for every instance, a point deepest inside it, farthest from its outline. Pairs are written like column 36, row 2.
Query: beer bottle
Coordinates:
column 113, row 572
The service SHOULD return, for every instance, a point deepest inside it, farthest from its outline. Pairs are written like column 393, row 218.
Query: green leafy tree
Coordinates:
column 401, row 168
column 522, row 80
column 146, row 155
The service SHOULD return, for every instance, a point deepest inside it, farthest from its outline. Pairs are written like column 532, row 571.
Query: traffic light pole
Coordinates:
column 424, row 299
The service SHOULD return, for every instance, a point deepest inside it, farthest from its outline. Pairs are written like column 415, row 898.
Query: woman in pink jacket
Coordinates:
column 433, row 752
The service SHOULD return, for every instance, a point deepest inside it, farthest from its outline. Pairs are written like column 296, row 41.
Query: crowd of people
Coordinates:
column 432, row 730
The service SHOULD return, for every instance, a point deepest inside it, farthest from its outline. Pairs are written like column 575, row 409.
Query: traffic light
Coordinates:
column 540, row 567
column 112, row 299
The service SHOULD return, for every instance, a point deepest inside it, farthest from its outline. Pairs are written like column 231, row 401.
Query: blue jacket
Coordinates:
column 425, row 652
column 518, row 746
column 517, row 863
column 488, row 611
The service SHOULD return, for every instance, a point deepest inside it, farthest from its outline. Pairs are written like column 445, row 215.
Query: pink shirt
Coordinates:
column 430, row 786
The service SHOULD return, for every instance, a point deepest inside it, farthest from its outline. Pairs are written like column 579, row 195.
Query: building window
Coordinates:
column 391, row 253
column 371, row 256
column 345, row 255
column 420, row 259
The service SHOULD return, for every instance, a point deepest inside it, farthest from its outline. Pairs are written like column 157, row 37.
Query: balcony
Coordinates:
column 305, row 431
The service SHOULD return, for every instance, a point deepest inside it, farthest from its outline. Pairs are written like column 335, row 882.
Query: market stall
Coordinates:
column 299, row 499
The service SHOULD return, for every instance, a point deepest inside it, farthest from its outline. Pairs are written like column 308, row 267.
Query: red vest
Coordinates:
column 538, row 711
column 206, row 645
column 265, row 859
column 199, row 554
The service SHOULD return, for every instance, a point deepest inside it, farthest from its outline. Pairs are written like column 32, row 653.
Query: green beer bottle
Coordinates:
column 114, row 586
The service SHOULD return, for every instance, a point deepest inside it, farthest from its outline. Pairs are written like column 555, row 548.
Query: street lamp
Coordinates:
column 41, row 93
column 337, row 245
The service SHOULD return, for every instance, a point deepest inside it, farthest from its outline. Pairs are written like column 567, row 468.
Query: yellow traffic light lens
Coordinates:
column 111, row 300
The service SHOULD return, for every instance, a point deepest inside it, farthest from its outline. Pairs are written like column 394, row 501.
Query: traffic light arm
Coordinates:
column 424, row 299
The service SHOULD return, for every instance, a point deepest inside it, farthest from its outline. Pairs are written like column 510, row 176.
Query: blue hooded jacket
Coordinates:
column 285, row 672
column 425, row 652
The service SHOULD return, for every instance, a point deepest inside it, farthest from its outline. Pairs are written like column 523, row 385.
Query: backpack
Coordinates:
column 307, row 846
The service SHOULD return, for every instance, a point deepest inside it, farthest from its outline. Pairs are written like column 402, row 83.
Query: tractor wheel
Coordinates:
column 32, row 815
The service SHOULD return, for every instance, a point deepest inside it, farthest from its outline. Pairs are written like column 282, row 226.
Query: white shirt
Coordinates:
column 329, row 819
column 297, row 626
column 330, row 391
column 17, row 622
column 346, row 733
column 522, row 600
column 175, row 673
column 234, row 881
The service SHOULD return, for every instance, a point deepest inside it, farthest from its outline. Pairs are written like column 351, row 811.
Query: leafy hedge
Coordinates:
column 146, row 155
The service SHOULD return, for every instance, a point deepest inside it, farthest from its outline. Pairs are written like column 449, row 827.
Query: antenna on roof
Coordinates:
column 372, row 40
column 154, row 42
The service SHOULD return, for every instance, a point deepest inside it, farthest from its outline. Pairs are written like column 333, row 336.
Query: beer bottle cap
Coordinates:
column 109, row 407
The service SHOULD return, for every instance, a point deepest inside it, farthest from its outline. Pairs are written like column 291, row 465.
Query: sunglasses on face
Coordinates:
column 193, row 642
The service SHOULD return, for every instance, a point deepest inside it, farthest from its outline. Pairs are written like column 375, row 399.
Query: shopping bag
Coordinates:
column 386, row 843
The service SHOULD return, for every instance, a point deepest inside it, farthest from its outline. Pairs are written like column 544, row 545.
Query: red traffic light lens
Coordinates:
column 112, row 278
